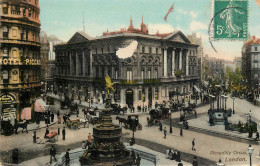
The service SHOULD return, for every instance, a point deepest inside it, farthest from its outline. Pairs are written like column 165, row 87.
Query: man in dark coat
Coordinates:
column 46, row 132
column 58, row 113
column 63, row 133
column 194, row 162
column 34, row 136
column 53, row 153
column 52, row 117
column 165, row 132
column 193, row 144
column 138, row 160
column 67, row 157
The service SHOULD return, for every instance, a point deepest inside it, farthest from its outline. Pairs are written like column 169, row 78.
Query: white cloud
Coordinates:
column 182, row 11
column 127, row 51
column 162, row 28
column 193, row 14
column 195, row 25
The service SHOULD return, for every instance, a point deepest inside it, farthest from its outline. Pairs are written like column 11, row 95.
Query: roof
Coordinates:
column 251, row 41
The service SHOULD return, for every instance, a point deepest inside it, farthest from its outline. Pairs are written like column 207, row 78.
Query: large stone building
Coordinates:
column 251, row 61
column 19, row 55
column 151, row 73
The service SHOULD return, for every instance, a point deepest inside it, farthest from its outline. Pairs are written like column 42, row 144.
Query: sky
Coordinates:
column 63, row 18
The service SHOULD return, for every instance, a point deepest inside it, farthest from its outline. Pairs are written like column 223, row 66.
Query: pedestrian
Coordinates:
column 67, row 157
column 195, row 113
column 58, row 113
column 138, row 160
column 58, row 131
column 46, row 132
column 165, row 132
column 34, row 136
column 53, row 153
column 133, row 155
column 181, row 133
column 257, row 136
column 178, row 156
column 133, row 109
column 148, row 121
column 77, row 112
column 193, row 144
column 160, row 124
column 63, row 133
column 83, row 145
column 195, row 162
column 15, row 156
column 59, row 120
column 64, row 119
column 89, row 139
column 52, row 117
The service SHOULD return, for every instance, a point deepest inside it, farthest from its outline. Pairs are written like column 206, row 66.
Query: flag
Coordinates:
column 169, row 11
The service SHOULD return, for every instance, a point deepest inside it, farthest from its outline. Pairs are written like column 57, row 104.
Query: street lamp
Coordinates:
column 233, row 104
column 80, row 96
column 170, row 112
column 250, row 114
column 72, row 94
column 103, row 96
column 225, row 102
column 250, row 152
column 89, row 93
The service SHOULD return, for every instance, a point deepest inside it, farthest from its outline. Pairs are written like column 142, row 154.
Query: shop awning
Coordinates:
column 39, row 105
column 26, row 114
column 196, row 88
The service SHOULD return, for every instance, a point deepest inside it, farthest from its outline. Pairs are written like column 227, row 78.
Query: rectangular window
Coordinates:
column 255, row 56
column 96, row 51
column 108, row 49
column 129, row 75
column 116, row 74
column 5, row 9
column 255, row 48
column 14, row 32
column 149, row 74
column 97, row 72
column 156, row 50
column 256, row 76
column 140, row 94
column 5, row 52
column 142, row 74
column 143, row 49
column 5, row 32
column 255, row 65
column 102, row 50
column 156, row 73
column 150, row 50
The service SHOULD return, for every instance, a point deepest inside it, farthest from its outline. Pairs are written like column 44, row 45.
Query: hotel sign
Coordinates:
column 19, row 62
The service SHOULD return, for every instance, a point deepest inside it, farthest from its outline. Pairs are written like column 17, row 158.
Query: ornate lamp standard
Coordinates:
column 233, row 105
column 250, row 152
column 170, row 112
column 80, row 96
column 89, row 94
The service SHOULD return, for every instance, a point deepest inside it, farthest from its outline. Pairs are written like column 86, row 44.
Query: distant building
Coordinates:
column 198, row 63
column 230, row 64
column 149, row 75
column 238, row 62
column 20, row 61
column 251, row 61
column 45, row 49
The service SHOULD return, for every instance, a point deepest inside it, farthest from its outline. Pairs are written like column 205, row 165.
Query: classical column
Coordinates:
column 77, row 64
column 173, row 61
column 165, row 62
column 187, row 63
column 90, row 63
column 180, row 59
column 71, row 65
column 83, row 63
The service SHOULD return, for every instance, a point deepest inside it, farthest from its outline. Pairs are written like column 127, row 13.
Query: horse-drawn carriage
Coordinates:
column 73, row 124
column 117, row 109
column 156, row 115
column 95, row 116
column 66, row 102
column 52, row 137
column 132, row 122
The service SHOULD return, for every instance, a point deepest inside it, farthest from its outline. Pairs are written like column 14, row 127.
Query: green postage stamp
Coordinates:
column 230, row 19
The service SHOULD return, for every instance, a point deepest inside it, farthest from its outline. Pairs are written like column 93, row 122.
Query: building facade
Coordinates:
column 20, row 55
column 148, row 76
column 251, row 61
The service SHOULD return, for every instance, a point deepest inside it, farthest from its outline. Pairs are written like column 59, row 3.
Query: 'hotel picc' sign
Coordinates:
column 19, row 62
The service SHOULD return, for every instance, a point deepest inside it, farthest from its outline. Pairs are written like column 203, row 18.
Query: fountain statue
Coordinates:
column 107, row 149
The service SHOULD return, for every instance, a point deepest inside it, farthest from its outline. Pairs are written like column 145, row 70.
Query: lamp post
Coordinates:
column 133, row 129
column 89, row 94
column 170, row 112
column 72, row 97
column 80, row 96
column 233, row 104
column 250, row 114
column 250, row 152
column 103, row 96
column 225, row 102
column 143, row 100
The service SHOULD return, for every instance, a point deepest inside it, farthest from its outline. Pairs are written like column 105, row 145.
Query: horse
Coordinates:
column 121, row 120
column 21, row 125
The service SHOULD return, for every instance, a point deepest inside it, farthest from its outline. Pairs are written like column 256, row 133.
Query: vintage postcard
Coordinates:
column 130, row 82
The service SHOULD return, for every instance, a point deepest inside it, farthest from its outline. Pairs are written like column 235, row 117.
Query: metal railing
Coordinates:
column 144, row 155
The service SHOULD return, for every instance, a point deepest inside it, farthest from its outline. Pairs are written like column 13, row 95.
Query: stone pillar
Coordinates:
column 165, row 62
column 187, row 63
column 90, row 63
column 173, row 61
column 83, row 63
column 71, row 65
column 77, row 64
column 180, row 60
